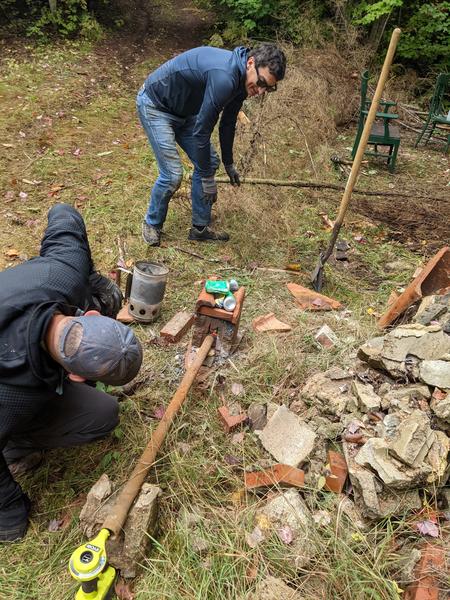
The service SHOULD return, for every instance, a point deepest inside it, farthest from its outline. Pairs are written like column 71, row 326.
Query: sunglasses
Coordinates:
column 262, row 83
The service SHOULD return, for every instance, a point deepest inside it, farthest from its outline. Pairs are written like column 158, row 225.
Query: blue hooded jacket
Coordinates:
column 203, row 81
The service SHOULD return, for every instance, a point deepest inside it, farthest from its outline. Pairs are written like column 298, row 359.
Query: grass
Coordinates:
column 83, row 102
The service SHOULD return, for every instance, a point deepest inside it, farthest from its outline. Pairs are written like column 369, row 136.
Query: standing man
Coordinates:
column 52, row 339
column 180, row 103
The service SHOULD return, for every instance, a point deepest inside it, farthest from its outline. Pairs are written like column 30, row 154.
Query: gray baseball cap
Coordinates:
column 100, row 349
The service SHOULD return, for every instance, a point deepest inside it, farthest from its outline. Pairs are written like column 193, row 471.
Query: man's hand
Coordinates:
column 209, row 186
column 106, row 295
column 233, row 174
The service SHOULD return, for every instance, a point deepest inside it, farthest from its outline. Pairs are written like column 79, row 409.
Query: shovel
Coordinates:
column 317, row 275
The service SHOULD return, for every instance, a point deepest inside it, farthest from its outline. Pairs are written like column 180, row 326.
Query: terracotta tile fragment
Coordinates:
column 311, row 300
column 426, row 586
column 230, row 422
column 339, row 471
column 269, row 322
column 274, row 475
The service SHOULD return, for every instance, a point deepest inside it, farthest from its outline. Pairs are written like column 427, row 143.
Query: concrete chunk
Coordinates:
column 127, row 551
column 413, row 439
column 287, row 438
column 368, row 400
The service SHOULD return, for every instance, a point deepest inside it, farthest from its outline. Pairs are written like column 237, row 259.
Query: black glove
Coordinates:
column 14, row 519
column 233, row 174
column 106, row 295
column 209, row 186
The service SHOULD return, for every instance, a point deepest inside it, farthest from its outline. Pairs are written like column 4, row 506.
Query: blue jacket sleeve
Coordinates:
column 218, row 92
column 227, row 128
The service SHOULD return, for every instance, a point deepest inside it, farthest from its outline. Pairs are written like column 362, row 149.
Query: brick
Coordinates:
column 269, row 322
column 174, row 330
column 275, row 475
column 338, row 466
column 428, row 572
column 230, row 422
column 203, row 307
column 124, row 315
column 310, row 300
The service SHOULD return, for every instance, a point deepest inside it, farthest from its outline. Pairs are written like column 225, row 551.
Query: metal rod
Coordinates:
column 115, row 521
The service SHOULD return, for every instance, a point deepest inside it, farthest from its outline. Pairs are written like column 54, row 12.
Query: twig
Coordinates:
column 194, row 254
column 329, row 186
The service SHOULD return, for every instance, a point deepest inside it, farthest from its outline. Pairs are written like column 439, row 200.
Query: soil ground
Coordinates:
column 70, row 134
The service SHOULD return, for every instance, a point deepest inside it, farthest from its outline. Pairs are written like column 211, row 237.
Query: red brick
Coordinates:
column 174, row 330
column 339, row 471
column 230, row 422
column 426, row 586
column 275, row 475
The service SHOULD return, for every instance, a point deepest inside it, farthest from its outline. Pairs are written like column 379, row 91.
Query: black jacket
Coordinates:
column 30, row 294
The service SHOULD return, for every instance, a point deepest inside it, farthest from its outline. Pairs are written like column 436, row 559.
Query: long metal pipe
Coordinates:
column 116, row 519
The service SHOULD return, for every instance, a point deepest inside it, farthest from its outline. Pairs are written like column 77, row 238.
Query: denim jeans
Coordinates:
column 164, row 132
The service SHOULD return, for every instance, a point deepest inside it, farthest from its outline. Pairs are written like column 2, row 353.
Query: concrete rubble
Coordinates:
column 289, row 510
column 127, row 550
column 390, row 410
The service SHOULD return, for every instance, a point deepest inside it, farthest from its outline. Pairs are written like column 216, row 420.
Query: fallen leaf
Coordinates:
column 54, row 525
column 231, row 460
column 254, row 538
column 285, row 534
column 237, row 389
column 427, row 527
column 159, row 412
column 123, row 590
column 12, row 253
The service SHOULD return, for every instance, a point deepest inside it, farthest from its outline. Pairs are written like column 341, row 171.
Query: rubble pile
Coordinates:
column 391, row 414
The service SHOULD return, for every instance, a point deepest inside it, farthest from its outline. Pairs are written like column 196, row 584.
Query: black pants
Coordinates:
column 80, row 415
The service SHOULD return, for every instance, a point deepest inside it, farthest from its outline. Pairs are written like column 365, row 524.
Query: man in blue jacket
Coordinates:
column 57, row 329
column 180, row 103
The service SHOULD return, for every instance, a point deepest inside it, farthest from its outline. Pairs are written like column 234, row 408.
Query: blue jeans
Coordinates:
column 164, row 132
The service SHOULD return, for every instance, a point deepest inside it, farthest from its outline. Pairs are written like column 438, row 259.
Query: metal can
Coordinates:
column 229, row 302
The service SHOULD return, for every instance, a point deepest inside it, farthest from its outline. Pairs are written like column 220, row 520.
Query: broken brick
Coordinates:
column 124, row 316
column 274, row 475
column 269, row 322
column 426, row 586
column 230, row 422
column 311, row 300
column 326, row 337
column 338, row 466
column 174, row 330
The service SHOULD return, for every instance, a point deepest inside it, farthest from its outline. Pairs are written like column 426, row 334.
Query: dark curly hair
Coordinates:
column 269, row 55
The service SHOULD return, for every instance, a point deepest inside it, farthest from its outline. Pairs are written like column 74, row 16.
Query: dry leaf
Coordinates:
column 158, row 413
column 254, row 538
column 285, row 534
column 428, row 528
column 237, row 389
column 124, row 590
column 54, row 525
column 12, row 253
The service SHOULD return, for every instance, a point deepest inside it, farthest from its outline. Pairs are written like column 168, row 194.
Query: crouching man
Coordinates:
column 57, row 331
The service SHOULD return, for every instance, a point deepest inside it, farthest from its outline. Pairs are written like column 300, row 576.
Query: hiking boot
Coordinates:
column 27, row 463
column 14, row 520
column 205, row 234
column 150, row 234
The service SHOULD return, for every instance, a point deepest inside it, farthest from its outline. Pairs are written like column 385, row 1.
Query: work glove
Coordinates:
column 209, row 186
column 106, row 295
column 233, row 174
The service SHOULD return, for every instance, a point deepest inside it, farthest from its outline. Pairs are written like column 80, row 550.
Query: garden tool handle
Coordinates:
column 115, row 521
column 367, row 128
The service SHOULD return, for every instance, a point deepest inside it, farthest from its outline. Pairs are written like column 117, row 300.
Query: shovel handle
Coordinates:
column 368, row 126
